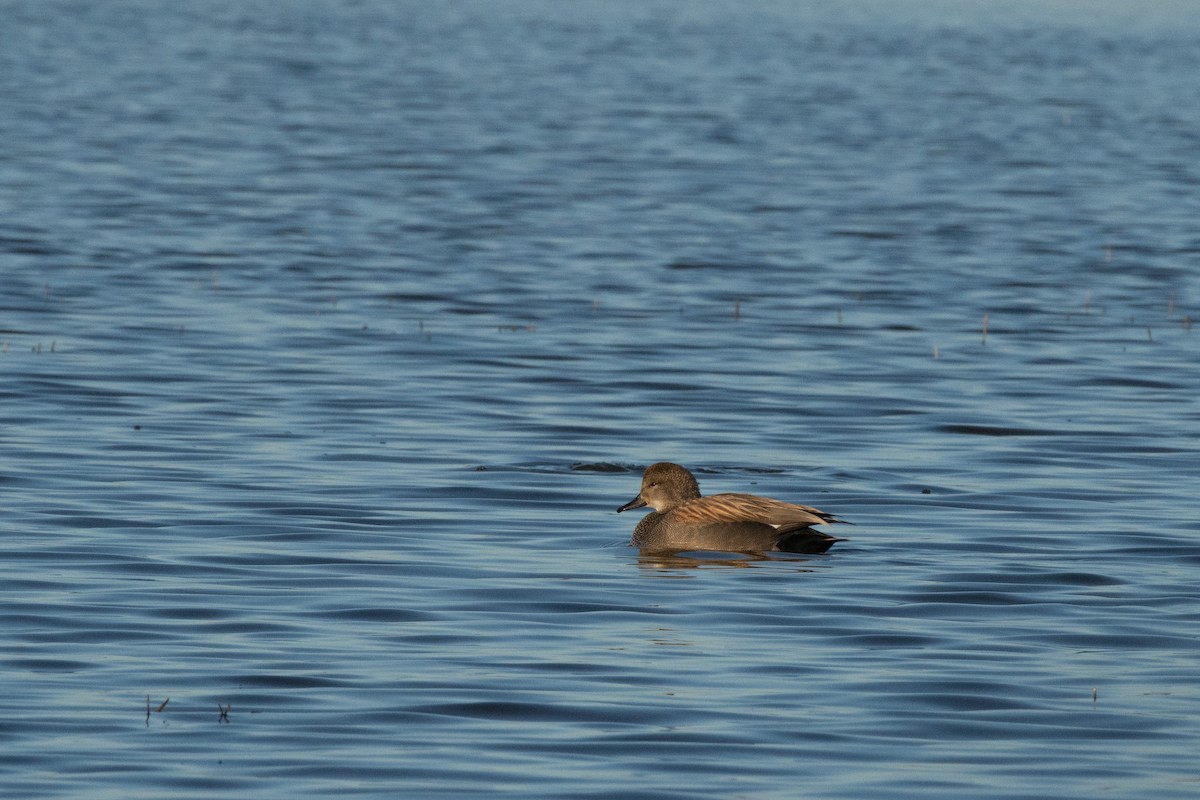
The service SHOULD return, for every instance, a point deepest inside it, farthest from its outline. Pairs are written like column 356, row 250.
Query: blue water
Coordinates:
column 333, row 334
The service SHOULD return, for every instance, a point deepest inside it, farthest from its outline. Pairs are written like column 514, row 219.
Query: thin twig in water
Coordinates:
column 157, row 710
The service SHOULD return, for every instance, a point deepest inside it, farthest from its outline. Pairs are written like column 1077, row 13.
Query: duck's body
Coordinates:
column 683, row 520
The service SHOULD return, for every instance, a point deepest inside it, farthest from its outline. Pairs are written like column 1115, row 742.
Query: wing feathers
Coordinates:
column 749, row 507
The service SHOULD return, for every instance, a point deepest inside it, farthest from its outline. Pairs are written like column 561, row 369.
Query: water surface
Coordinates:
column 333, row 334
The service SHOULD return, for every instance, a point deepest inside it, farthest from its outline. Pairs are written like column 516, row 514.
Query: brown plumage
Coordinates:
column 684, row 520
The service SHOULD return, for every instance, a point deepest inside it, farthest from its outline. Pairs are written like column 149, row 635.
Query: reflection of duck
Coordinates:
column 672, row 562
column 682, row 520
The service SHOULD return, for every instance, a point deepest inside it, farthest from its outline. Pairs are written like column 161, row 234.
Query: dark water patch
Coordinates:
column 968, row 597
column 706, row 265
column 887, row 640
column 633, row 794
column 383, row 615
column 69, row 630
column 47, row 664
column 284, row 682
column 868, row 233
column 548, row 612
column 1114, row 641
column 963, row 703
column 1047, row 727
column 197, row 613
column 1033, row 578
column 996, row 430
column 603, row 467
column 256, row 627
column 1130, row 382
column 1181, row 555
column 515, row 711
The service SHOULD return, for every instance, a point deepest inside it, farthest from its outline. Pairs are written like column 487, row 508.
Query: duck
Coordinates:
column 684, row 520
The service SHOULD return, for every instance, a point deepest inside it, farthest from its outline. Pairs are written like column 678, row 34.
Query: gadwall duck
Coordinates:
column 683, row 520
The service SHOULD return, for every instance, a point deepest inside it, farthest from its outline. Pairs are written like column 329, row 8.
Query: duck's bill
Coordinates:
column 636, row 502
